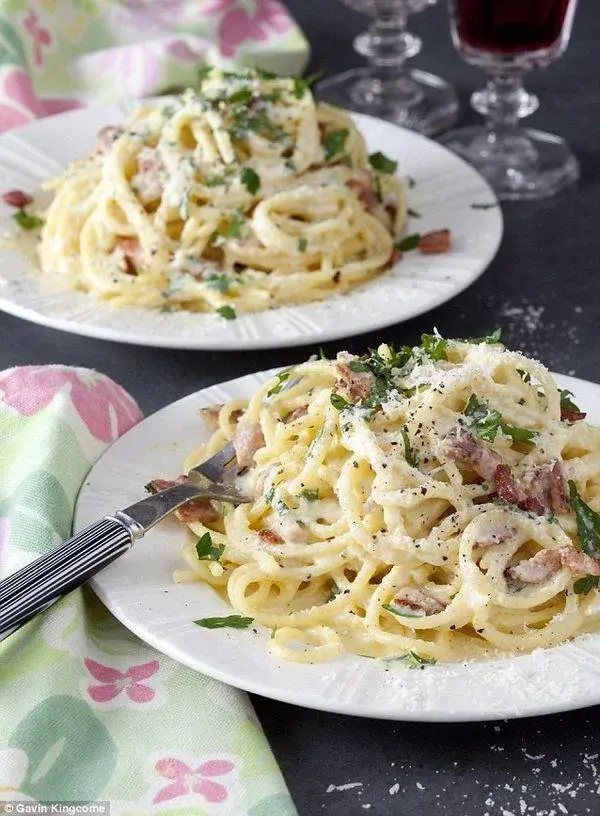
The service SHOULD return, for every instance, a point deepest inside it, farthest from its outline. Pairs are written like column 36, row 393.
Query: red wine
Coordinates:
column 510, row 26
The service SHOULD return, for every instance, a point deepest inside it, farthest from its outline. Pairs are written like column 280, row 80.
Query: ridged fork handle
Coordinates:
column 39, row 584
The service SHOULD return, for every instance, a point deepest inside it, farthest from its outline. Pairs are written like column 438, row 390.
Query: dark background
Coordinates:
column 542, row 290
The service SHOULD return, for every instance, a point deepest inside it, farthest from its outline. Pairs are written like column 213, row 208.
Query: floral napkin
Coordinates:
column 89, row 712
column 56, row 55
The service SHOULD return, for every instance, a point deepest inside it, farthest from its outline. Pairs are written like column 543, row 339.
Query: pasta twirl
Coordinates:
column 244, row 194
column 428, row 500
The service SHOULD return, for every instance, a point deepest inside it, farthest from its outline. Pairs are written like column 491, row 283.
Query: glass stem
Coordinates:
column 504, row 101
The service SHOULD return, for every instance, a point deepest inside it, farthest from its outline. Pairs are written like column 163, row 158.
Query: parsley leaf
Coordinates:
column 280, row 380
column 333, row 143
column 204, row 71
column 218, row 282
column 518, row 434
column 27, row 221
column 302, row 85
column 412, row 660
column 269, row 496
column 408, row 243
column 302, row 244
column 227, row 312
column 588, row 522
column 311, row 494
column 569, row 411
column 585, row 584
column 206, row 551
column 216, row 181
column 339, row 402
column 412, row 457
column 150, row 488
column 402, row 613
column 434, row 347
column 413, row 213
column 490, row 339
column 251, row 180
column 241, row 97
column 380, row 162
column 484, row 423
column 231, row 621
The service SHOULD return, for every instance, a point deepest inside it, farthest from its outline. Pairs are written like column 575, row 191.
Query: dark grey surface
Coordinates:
column 542, row 290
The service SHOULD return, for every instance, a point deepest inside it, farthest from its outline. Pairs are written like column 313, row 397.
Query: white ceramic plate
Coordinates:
column 139, row 591
column 445, row 190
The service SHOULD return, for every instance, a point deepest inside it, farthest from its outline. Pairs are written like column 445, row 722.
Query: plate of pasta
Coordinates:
column 421, row 538
column 242, row 212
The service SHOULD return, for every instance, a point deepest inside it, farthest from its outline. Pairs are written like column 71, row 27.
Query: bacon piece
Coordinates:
column 17, row 199
column 354, row 385
column 433, row 243
column 571, row 415
column 532, row 505
column 365, row 193
column 497, row 534
column 148, row 181
column 396, row 255
column 417, row 603
column 579, row 562
column 247, row 440
column 545, row 489
column 201, row 510
column 505, row 485
column 133, row 255
column 270, row 537
column 106, row 136
column 210, row 415
column 297, row 414
column 461, row 444
column 538, row 569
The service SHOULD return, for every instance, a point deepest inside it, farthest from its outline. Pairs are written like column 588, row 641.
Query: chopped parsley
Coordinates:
column 568, row 409
column 588, row 522
column 150, row 488
column 490, row 339
column 413, row 213
column 412, row 457
column 206, row 551
column 380, row 162
column 216, row 181
column 333, row 143
column 269, row 496
column 227, row 312
column 230, row 621
column 485, row 423
column 339, row 402
column 434, row 346
column 411, row 182
column 241, row 97
column 300, row 85
column 204, row 71
column 302, row 244
column 27, row 221
column 219, row 282
column 408, row 243
column 412, row 660
column 279, row 382
column 250, row 180
column 311, row 494
column 402, row 613
column 585, row 584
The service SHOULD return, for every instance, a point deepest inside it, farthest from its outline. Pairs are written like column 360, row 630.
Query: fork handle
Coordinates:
column 39, row 584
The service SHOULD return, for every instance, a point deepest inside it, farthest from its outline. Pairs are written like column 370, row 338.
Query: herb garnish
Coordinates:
column 333, row 143
column 280, row 380
column 408, row 243
column 27, row 221
column 269, row 496
column 490, row 339
column 339, row 402
column 241, row 97
column 489, row 206
column 227, row 312
column 434, row 346
column 569, row 412
column 413, row 213
column 302, row 85
column 150, row 488
column 311, row 494
column 485, row 423
column 395, row 610
column 302, row 244
column 412, row 660
column 380, row 162
column 206, row 551
column 231, row 621
column 588, row 522
column 411, row 456
column 585, row 584
column 251, row 180
column 218, row 282
column 411, row 182
column 204, row 71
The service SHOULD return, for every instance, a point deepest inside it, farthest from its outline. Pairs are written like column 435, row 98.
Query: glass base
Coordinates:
column 518, row 164
column 417, row 100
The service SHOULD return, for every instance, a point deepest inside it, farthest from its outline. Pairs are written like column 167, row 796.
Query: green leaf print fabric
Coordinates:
column 88, row 712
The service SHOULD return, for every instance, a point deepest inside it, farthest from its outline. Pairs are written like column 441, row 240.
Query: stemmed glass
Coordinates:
column 414, row 99
column 507, row 38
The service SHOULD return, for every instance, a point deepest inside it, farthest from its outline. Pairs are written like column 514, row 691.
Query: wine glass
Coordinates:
column 414, row 99
column 507, row 38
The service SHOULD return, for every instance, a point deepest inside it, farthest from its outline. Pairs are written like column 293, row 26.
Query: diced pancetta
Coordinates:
column 417, row 603
column 436, row 242
column 247, row 440
column 270, row 537
column 546, row 485
column 201, row 510
column 460, row 444
column 496, row 534
column 148, row 181
column 353, row 385
column 106, row 136
column 17, row 199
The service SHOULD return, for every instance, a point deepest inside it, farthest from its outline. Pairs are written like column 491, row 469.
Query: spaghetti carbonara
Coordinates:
column 242, row 195
column 439, row 501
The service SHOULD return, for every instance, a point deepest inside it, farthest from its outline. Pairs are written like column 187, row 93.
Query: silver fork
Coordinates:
column 41, row 583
